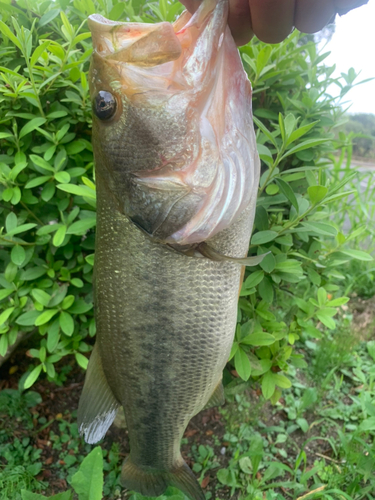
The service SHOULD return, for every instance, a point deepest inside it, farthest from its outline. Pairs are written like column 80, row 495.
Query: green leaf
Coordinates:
column 289, row 266
column 66, row 323
column 32, row 125
column 33, row 273
column 367, row 425
column 77, row 282
column 264, row 366
column 253, row 280
column 3, row 345
column 90, row 259
column 282, row 128
column 48, row 17
column 53, row 336
column 265, row 131
column 32, row 377
column 80, row 307
column 326, row 318
column 88, row 481
column 18, row 255
column 68, row 27
column 41, row 162
column 268, row 263
column 81, row 360
column 300, row 132
column 317, row 193
column 28, row 318
column 242, row 364
column 338, row 302
column 21, row 229
column 41, row 296
column 287, row 191
column 322, row 296
column 68, row 301
column 281, row 381
column 5, row 315
column 37, row 181
column 263, row 237
column 268, row 385
column 5, row 293
column 266, row 290
column 272, row 189
column 320, row 228
column 311, row 143
column 78, row 190
column 258, row 339
column 358, row 255
column 303, row 423
column 10, row 272
column 59, row 236
column 62, row 177
column 80, row 227
column 38, row 52
column 371, row 350
column 233, row 350
column 45, row 316
column 5, row 135
column 10, row 222
column 8, row 34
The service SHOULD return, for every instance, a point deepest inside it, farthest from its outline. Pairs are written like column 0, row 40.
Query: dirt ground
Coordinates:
column 208, row 428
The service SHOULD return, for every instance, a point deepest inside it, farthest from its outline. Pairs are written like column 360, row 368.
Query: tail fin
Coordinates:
column 155, row 483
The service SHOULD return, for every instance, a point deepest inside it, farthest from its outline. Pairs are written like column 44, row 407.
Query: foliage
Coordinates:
column 355, row 212
column 362, row 129
column 48, row 195
column 296, row 287
column 336, row 413
column 87, row 482
column 48, row 214
column 317, row 441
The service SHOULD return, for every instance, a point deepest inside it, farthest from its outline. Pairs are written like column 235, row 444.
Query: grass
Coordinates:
column 317, row 442
column 319, row 437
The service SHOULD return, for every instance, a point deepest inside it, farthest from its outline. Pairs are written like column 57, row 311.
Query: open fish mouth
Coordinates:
column 183, row 86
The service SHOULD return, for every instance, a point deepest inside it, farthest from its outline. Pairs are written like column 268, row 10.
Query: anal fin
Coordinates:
column 217, row 398
column 97, row 406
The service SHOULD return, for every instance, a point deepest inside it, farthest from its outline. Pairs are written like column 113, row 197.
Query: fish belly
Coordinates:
column 165, row 326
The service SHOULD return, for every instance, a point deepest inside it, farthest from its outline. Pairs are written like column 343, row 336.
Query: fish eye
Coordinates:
column 104, row 105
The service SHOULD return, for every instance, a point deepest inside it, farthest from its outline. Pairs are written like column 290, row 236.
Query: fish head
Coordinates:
column 172, row 126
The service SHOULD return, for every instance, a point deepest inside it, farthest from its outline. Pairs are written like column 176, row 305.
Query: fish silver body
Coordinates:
column 176, row 166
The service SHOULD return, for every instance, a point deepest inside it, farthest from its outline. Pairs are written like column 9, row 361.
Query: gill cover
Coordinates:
column 179, row 154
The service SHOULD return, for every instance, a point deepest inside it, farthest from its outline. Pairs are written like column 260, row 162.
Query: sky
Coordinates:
column 353, row 45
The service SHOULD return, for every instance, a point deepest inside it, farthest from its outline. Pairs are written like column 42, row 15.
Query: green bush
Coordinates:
column 48, row 194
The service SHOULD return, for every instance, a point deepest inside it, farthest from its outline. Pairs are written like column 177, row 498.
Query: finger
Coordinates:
column 239, row 21
column 272, row 20
column 344, row 6
column 312, row 15
column 191, row 5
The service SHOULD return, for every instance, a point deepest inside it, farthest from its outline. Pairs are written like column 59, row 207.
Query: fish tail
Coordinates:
column 150, row 483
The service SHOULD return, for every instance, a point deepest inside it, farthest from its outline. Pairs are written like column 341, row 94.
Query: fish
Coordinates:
column 177, row 174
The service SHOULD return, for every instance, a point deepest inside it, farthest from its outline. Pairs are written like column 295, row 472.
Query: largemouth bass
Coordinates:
column 177, row 175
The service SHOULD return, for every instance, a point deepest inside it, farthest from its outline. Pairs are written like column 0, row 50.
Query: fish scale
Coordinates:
column 171, row 320
column 176, row 168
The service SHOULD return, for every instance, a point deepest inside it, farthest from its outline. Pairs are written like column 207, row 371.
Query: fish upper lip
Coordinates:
column 116, row 40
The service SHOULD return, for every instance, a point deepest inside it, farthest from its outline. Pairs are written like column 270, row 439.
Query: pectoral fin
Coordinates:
column 209, row 252
column 217, row 398
column 98, row 406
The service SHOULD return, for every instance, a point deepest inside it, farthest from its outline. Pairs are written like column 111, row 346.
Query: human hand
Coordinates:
column 273, row 20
